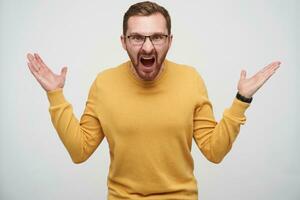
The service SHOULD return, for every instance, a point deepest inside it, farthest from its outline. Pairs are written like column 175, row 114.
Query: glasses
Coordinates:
column 156, row 39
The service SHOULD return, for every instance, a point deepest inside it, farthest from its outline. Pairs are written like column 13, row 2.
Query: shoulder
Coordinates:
column 179, row 66
column 111, row 74
column 189, row 74
column 112, row 71
column 185, row 70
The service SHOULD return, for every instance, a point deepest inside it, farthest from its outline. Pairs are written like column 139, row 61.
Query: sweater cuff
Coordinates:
column 238, row 108
column 56, row 97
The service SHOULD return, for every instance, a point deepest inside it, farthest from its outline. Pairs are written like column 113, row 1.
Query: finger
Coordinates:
column 271, row 65
column 64, row 71
column 44, row 67
column 33, row 70
column 40, row 61
column 29, row 56
column 39, row 58
column 243, row 74
column 268, row 75
column 266, row 68
column 271, row 71
column 33, row 62
column 274, row 66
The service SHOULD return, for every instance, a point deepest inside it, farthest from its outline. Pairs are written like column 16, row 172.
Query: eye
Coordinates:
column 157, row 37
column 137, row 37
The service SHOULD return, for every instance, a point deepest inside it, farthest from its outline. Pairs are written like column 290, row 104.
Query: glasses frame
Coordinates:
column 145, row 38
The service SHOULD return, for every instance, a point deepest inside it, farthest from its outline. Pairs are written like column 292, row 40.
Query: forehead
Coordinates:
column 155, row 23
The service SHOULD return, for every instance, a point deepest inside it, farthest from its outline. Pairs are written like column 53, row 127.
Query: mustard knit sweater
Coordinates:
column 149, row 127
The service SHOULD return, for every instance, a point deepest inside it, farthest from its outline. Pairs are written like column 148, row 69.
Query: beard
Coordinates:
column 148, row 65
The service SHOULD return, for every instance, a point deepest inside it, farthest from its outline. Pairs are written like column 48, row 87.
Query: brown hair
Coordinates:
column 145, row 8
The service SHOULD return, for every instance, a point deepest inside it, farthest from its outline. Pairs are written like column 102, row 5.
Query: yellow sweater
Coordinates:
column 149, row 127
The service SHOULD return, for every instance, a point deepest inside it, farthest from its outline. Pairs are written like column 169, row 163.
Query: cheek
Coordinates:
column 162, row 51
column 134, row 52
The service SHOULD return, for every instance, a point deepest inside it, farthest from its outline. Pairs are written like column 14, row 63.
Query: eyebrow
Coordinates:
column 136, row 33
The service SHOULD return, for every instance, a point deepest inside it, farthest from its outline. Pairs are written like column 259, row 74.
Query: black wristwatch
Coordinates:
column 242, row 98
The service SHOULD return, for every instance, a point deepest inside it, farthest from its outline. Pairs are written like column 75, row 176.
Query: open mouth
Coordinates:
column 147, row 61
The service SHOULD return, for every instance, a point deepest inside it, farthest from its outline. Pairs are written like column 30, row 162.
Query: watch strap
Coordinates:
column 242, row 98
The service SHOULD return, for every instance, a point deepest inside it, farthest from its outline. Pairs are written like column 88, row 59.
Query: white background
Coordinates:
column 219, row 38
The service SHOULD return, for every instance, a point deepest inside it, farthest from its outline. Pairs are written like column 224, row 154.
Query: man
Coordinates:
column 149, row 109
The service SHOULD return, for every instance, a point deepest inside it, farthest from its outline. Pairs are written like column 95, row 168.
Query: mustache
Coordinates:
column 147, row 54
column 143, row 53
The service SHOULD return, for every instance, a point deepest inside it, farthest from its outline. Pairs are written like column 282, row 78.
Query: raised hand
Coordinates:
column 46, row 78
column 248, row 87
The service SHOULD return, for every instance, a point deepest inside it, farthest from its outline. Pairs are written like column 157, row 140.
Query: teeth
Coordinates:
column 148, row 58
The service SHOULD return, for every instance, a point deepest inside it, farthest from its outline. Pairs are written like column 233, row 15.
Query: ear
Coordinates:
column 170, row 40
column 123, row 41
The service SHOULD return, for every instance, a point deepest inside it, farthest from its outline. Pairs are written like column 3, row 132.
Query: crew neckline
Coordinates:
column 143, row 83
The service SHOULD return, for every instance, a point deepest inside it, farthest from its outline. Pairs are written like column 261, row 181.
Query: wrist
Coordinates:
column 243, row 98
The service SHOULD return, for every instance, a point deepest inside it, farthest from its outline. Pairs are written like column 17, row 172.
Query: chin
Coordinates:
column 148, row 76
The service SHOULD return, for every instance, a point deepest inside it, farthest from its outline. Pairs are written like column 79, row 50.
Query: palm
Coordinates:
column 47, row 79
column 248, row 87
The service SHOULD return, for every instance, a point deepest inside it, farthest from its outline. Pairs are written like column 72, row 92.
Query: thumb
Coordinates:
column 243, row 74
column 64, row 71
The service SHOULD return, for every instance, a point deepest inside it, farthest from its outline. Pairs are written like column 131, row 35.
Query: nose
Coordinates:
column 148, row 46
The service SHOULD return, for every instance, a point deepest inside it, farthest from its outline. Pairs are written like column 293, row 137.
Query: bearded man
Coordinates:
column 149, row 109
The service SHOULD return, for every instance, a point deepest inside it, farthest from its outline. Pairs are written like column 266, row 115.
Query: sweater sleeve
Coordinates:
column 212, row 138
column 81, row 138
